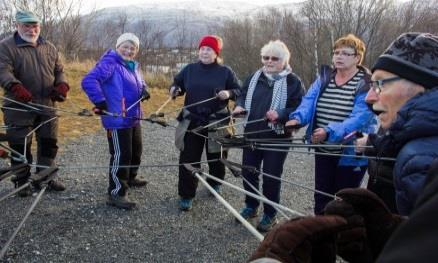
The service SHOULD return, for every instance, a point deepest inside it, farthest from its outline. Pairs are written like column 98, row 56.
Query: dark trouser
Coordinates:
column 273, row 165
column 385, row 190
column 330, row 178
column 193, row 148
column 125, row 147
column 46, row 136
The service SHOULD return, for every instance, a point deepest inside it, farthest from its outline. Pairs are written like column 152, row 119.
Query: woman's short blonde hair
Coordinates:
column 276, row 48
column 353, row 42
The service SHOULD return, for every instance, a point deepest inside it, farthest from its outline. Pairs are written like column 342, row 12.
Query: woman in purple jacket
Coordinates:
column 115, row 86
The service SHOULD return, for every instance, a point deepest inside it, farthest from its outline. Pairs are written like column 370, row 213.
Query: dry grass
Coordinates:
column 72, row 126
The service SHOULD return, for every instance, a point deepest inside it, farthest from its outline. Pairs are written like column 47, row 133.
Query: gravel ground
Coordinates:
column 77, row 225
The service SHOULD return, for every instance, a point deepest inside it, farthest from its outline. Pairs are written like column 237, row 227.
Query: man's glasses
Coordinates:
column 28, row 26
column 343, row 54
column 377, row 85
column 266, row 58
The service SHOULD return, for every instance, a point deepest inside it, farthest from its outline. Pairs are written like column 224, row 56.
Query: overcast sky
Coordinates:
column 89, row 4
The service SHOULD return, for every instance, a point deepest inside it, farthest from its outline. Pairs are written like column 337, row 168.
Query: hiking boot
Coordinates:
column 135, row 182
column 121, row 202
column 266, row 223
column 247, row 213
column 27, row 191
column 56, row 186
column 185, row 204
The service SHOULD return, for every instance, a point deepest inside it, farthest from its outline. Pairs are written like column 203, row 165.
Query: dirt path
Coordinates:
column 77, row 225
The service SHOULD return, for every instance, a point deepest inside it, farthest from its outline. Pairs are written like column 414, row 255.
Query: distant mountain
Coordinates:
column 195, row 17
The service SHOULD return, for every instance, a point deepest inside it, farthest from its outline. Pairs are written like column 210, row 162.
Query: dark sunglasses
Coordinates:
column 377, row 85
column 266, row 58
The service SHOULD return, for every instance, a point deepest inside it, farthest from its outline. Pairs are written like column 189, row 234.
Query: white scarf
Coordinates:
column 279, row 94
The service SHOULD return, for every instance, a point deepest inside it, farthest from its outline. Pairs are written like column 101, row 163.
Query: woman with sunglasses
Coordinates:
column 268, row 95
column 333, row 108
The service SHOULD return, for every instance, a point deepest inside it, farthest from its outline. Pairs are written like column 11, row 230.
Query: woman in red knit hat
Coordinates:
column 207, row 78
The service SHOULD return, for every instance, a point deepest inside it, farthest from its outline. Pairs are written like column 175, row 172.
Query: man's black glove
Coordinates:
column 371, row 224
column 145, row 95
column 100, row 107
column 307, row 239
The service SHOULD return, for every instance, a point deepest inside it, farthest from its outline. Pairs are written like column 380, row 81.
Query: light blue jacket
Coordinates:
column 360, row 119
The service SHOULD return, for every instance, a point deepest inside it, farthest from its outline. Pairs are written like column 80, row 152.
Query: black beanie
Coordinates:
column 412, row 56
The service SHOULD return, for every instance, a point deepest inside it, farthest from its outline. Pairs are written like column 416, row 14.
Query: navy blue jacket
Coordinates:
column 202, row 81
column 415, row 240
column 261, row 102
column 413, row 140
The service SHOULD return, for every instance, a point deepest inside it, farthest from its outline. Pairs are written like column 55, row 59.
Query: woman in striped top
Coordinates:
column 334, row 107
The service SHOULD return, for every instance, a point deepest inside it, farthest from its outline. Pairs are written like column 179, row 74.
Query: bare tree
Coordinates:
column 240, row 50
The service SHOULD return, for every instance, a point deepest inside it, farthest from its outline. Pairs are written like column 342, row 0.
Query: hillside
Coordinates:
column 194, row 18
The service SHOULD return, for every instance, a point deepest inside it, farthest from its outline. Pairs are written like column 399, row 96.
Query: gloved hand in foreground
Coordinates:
column 371, row 224
column 307, row 239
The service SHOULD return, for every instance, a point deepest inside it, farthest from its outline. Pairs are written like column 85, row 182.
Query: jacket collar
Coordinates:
column 113, row 53
column 22, row 43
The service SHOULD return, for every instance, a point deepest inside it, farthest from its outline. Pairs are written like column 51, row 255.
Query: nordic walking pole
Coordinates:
column 245, row 223
column 32, row 207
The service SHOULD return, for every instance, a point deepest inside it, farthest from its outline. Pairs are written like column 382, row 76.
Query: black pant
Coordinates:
column 273, row 165
column 384, row 189
column 125, row 147
column 22, row 124
column 331, row 177
column 193, row 148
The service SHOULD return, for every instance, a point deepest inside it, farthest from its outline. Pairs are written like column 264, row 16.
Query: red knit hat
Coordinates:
column 214, row 42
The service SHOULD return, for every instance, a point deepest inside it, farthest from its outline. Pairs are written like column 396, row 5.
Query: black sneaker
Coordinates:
column 56, row 186
column 121, row 202
column 135, row 182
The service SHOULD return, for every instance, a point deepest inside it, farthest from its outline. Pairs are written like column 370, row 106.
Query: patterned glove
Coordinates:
column 21, row 93
column 371, row 224
column 307, row 239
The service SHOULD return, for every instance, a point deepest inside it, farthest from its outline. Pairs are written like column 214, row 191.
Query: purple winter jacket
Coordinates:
column 111, row 81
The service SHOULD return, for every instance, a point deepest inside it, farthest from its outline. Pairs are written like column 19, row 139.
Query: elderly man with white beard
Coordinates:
column 30, row 70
